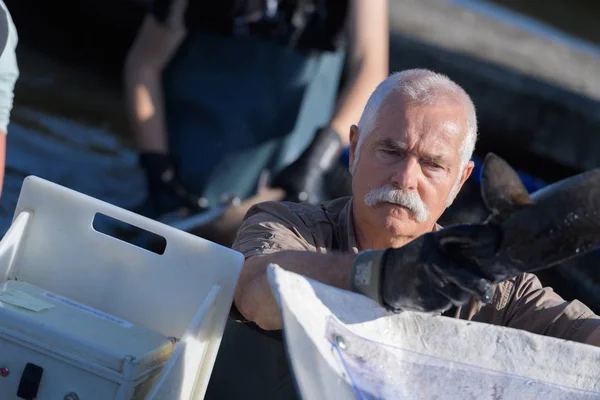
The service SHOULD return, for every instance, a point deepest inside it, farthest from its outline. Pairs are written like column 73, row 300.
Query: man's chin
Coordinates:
column 396, row 219
column 400, row 223
column 398, row 212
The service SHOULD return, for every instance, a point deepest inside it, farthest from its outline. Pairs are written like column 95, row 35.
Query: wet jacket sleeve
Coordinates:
column 533, row 308
column 9, row 70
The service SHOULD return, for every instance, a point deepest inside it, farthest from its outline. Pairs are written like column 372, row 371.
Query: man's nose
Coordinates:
column 406, row 175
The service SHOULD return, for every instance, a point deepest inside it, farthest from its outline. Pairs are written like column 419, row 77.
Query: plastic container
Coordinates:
column 343, row 345
column 185, row 292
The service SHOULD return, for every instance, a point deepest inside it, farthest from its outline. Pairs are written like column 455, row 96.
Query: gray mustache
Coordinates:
column 405, row 198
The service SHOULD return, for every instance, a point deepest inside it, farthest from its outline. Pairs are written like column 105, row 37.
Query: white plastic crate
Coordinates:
column 185, row 293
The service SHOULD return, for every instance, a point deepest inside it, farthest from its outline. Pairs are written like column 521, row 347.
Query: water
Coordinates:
column 573, row 30
column 576, row 18
column 69, row 127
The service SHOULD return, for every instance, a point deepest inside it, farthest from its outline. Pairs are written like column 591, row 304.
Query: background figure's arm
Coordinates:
column 157, row 40
column 368, row 37
column 254, row 298
column 9, row 73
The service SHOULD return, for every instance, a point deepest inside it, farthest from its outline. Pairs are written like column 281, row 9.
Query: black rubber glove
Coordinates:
column 338, row 181
column 434, row 271
column 162, row 181
column 304, row 179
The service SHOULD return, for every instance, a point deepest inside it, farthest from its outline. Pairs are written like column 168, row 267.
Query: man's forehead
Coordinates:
column 399, row 107
column 436, row 129
column 446, row 120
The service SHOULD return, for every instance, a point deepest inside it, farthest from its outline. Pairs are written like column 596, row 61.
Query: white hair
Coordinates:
column 420, row 86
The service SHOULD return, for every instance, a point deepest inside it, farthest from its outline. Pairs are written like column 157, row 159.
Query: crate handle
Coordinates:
column 129, row 233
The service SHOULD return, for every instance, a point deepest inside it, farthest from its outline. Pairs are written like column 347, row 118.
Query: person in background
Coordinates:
column 220, row 91
column 9, row 73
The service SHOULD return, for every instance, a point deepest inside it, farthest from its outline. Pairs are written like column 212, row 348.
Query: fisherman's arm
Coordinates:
column 160, row 35
column 278, row 233
column 254, row 298
column 417, row 276
column 540, row 310
column 368, row 65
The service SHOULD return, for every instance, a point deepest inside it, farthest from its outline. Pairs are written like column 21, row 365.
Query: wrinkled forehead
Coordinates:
column 441, row 120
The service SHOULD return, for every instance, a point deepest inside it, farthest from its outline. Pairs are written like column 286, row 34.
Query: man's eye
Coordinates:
column 388, row 152
column 432, row 165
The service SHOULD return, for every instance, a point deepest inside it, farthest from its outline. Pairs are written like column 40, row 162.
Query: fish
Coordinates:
column 531, row 231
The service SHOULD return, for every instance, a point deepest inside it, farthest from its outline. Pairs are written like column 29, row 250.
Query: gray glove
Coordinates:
column 304, row 179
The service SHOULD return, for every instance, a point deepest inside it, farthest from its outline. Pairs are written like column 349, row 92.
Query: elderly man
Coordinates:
column 410, row 155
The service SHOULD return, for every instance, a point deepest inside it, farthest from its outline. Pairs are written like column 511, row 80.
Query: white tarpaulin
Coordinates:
column 342, row 345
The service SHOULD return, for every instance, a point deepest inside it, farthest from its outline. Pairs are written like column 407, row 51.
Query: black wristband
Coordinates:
column 366, row 274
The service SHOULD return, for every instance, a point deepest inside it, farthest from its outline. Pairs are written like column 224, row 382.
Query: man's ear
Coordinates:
column 353, row 144
column 466, row 174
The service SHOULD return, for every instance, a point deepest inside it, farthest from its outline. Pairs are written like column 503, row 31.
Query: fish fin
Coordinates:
column 501, row 188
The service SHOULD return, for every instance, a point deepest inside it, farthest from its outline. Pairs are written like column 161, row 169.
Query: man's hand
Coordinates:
column 304, row 179
column 434, row 271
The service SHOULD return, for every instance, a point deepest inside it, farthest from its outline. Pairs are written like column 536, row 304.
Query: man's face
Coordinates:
column 414, row 148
